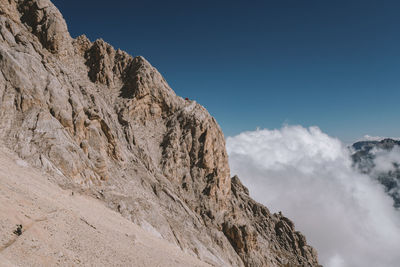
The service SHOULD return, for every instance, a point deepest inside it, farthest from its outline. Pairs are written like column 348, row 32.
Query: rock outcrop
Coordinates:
column 110, row 126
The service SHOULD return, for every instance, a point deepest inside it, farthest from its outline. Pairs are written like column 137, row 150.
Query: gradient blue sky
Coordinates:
column 334, row 64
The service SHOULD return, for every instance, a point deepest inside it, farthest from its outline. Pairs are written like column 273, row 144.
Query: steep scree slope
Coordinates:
column 64, row 229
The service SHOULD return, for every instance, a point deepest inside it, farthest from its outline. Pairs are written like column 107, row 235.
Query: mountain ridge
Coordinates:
column 364, row 159
column 113, row 128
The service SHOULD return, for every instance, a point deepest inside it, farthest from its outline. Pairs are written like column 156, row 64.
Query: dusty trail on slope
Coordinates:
column 61, row 228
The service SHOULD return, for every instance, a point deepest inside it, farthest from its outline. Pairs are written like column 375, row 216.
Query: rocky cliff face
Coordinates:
column 111, row 127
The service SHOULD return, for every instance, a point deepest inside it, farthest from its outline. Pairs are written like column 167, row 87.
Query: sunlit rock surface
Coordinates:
column 109, row 126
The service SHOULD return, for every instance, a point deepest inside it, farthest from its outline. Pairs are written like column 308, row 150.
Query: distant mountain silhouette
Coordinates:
column 364, row 157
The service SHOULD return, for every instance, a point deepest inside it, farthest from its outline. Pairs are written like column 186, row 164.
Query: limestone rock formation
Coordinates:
column 111, row 127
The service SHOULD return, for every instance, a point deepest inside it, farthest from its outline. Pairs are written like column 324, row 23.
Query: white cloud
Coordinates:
column 372, row 138
column 308, row 176
column 384, row 159
column 375, row 138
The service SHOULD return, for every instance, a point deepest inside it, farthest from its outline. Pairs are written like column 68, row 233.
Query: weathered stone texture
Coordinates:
column 110, row 125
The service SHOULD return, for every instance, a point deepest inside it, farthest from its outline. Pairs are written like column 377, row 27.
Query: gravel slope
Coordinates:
column 61, row 228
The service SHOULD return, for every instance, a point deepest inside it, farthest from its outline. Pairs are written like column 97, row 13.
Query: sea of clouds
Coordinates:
column 308, row 175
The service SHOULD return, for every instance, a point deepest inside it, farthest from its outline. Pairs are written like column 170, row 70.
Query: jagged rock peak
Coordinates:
column 46, row 22
column 109, row 125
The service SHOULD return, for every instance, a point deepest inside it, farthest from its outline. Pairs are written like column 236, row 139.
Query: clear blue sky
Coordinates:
column 334, row 64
